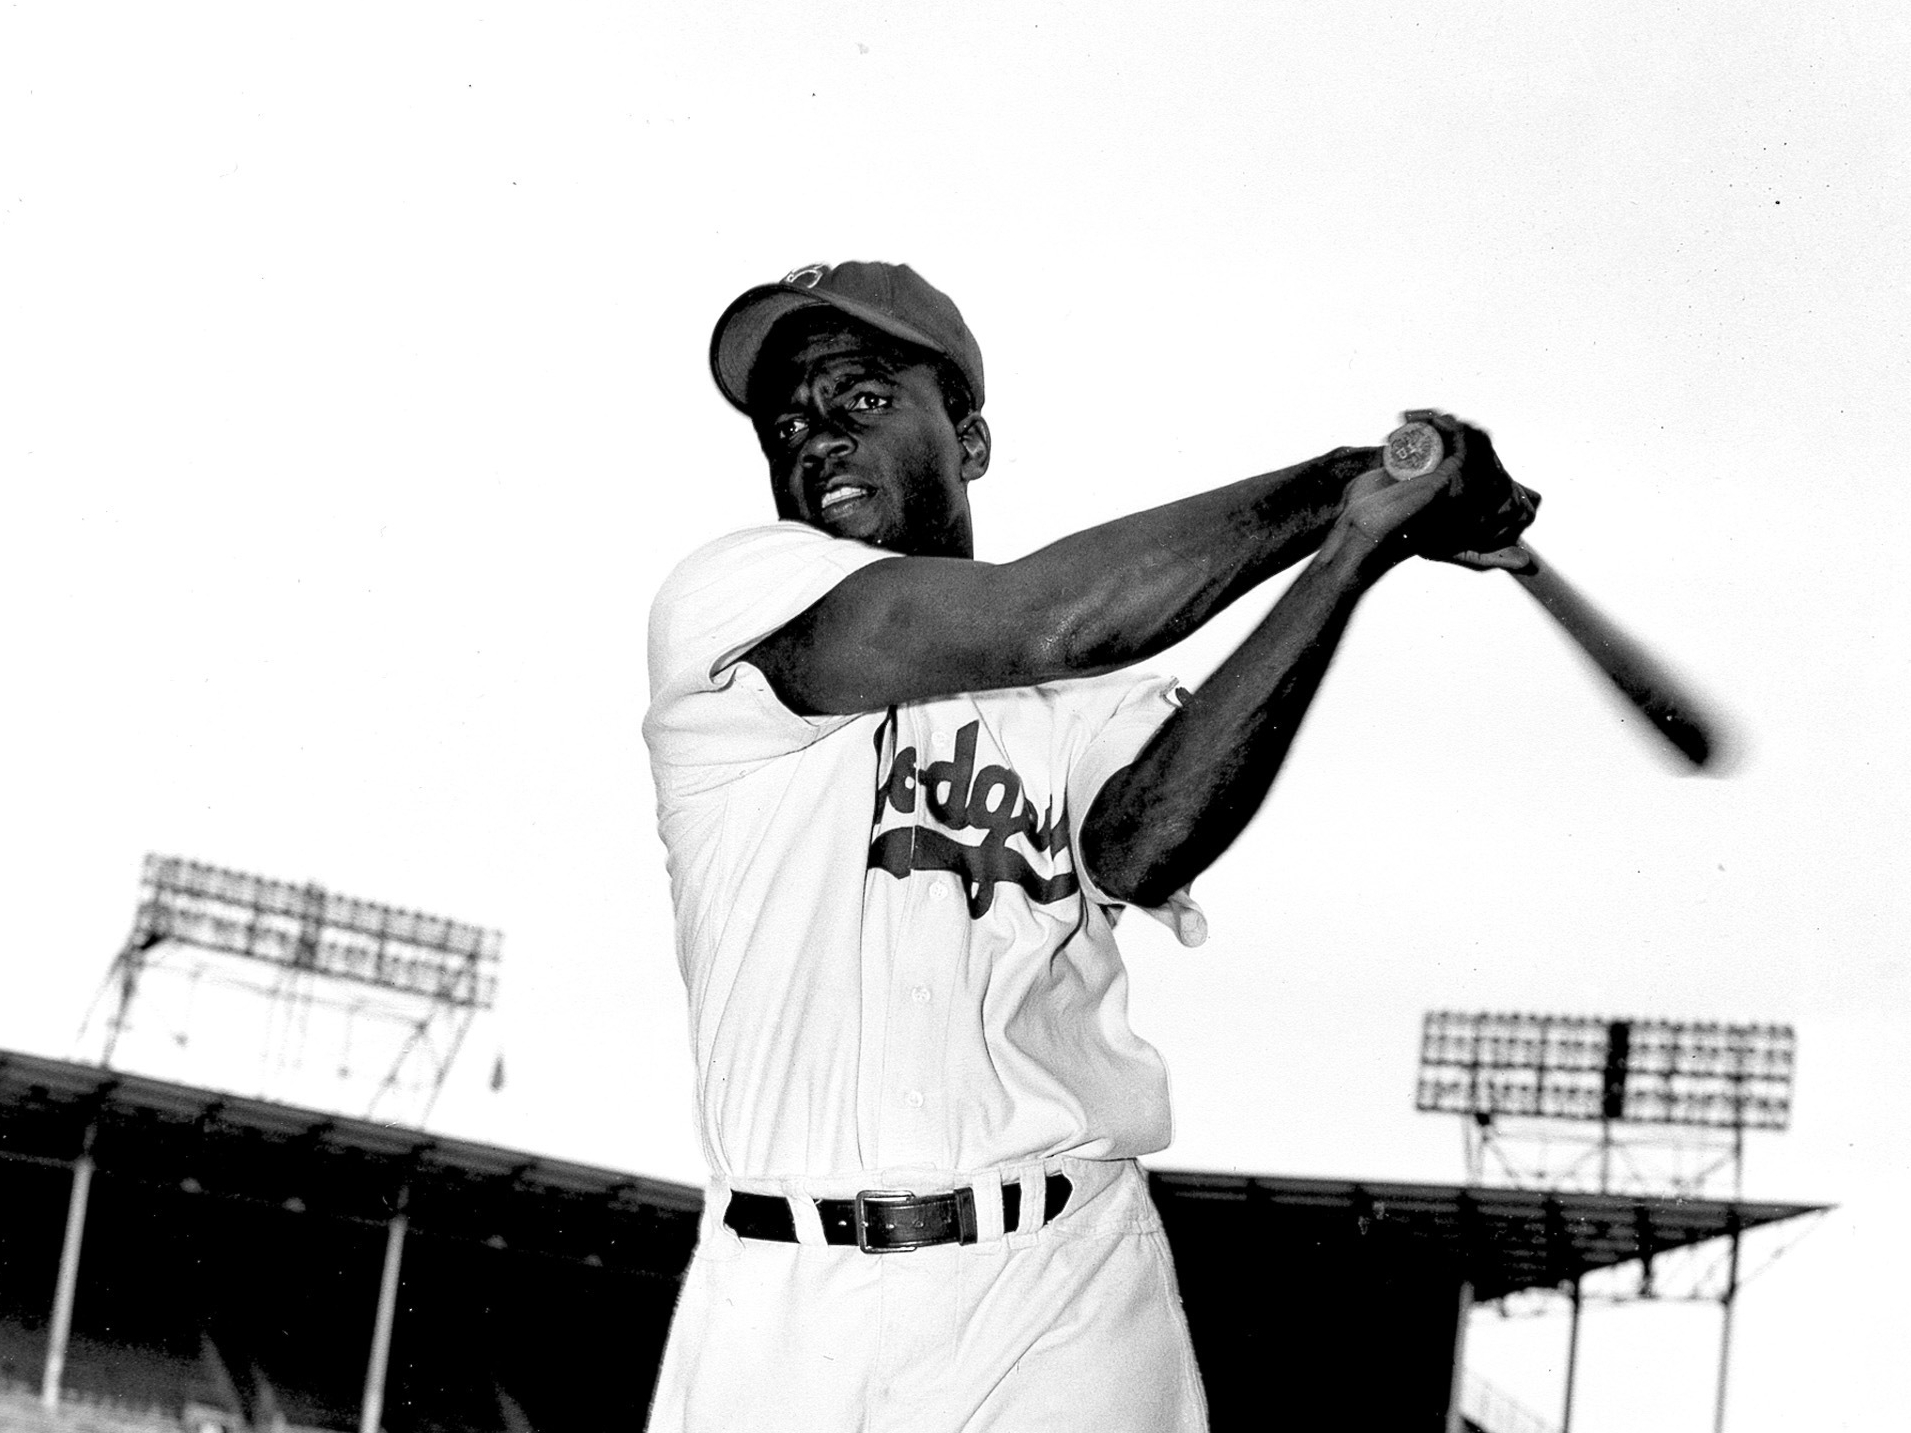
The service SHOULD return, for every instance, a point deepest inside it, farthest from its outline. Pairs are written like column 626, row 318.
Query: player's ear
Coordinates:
column 973, row 433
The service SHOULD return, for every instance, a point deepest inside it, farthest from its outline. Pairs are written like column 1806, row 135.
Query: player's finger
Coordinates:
column 1519, row 508
column 1501, row 559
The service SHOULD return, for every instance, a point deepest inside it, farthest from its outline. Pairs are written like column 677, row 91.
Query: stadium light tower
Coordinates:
column 422, row 978
column 1671, row 1099
column 1691, row 1087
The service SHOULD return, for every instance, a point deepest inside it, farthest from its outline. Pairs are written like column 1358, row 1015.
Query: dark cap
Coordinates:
column 891, row 298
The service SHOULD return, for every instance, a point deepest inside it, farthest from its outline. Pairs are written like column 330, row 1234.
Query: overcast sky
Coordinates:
column 355, row 404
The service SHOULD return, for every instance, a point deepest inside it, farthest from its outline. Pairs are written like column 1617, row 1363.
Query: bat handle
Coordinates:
column 1412, row 450
column 1415, row 449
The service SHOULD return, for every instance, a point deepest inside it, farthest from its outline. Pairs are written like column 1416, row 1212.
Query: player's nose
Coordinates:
column 824, row 442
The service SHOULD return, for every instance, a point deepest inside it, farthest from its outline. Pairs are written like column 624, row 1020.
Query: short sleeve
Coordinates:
column 1115, row 743
column 706, row 708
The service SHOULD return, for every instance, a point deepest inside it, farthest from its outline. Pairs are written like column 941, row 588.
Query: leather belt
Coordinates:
column 889, row 1221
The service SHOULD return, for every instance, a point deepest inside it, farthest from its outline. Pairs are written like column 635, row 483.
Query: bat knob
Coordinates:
column 1412, row 451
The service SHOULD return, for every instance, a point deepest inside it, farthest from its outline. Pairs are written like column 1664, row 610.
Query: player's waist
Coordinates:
column 899, row 1209
column 892, row 1221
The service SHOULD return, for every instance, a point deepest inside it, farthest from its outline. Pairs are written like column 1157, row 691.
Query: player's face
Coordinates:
column 861, row 446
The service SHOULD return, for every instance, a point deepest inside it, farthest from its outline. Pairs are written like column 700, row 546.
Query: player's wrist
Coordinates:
column 1359, row 553
column 1318, row 488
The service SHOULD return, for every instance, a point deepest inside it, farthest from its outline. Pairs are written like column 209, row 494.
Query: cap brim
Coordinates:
column 737, row 341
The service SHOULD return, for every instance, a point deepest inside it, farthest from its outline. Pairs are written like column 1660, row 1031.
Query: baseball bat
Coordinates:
column 1668, row 706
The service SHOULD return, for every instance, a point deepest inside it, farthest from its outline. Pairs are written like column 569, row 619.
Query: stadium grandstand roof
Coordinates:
column 205, row 1142
column 1500, row 1240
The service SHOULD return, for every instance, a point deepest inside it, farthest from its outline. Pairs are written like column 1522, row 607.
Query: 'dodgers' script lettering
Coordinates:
column 957, row 797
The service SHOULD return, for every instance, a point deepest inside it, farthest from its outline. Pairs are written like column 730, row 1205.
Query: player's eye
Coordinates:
column 788, row 430
column 867, row 401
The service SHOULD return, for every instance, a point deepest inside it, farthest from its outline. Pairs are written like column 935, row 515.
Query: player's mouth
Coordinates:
column 840, row 499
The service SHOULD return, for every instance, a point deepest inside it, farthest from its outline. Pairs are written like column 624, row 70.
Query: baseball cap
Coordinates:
column 891, row 298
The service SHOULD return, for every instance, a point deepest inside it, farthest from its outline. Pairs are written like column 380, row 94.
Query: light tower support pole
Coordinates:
column 373, row 1408
column 60, row 1330
column 1729, row 1302
column 1456, row 1420
column 1572, row 1362
column 130, row 961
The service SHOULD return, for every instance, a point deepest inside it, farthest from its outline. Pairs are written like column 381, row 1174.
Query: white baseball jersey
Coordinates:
column 894, row 958
column 900, row 977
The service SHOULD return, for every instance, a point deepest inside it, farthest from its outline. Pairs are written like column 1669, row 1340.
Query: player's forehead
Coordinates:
column 827, row 353
column 830, row 337
column 840, row 357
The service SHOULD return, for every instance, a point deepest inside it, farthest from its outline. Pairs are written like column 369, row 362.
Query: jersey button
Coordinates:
column 938, row 892
column 915, row 1099
column 920, row 995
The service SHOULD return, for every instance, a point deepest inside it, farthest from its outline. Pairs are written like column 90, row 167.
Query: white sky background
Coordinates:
column 355, row 405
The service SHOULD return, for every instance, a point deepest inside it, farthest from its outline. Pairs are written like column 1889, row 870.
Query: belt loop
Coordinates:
column 1034, row 1214
column 988, row 1205
column 803, row 1213
column 711, row 1228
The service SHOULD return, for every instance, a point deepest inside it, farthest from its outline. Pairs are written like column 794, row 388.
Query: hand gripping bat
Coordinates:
column 1415, row 449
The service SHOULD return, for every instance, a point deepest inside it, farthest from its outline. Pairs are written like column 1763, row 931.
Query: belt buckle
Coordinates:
column 888, row 1199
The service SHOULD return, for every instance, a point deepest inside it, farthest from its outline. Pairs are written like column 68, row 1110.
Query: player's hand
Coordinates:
column 1467, row 511
column 1503, row 508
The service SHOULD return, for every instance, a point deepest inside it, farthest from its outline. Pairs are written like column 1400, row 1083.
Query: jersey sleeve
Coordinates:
column 708, row 708
column 1109, row 743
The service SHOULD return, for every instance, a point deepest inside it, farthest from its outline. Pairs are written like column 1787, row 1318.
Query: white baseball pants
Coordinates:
column 1071, row 1327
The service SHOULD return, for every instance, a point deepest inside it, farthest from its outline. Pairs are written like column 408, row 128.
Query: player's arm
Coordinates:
column 913, row 628
column 1162, row 820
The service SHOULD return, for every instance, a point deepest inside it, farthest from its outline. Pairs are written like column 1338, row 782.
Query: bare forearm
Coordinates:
column 1164, row 819
column 1125, row 590
column 916, row 628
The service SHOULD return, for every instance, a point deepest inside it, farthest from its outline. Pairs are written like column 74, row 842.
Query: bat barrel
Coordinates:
column 1641, row 679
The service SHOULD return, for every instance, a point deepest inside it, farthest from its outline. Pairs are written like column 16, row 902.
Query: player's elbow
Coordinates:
column 1130, row 858
column 1048, row 631
column 1136, row 882
column 1076, row 639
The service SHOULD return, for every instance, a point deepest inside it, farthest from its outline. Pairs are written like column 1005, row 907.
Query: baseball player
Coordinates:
column 905, row 795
